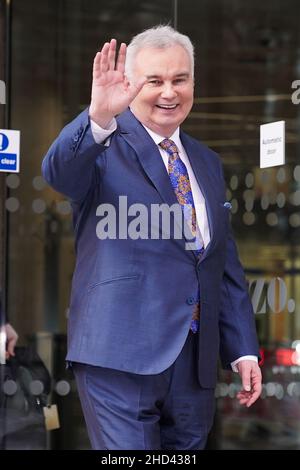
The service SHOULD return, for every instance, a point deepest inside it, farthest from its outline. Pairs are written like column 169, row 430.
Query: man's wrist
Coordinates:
column 102, row 121
column 243, row 358
column 102, row 135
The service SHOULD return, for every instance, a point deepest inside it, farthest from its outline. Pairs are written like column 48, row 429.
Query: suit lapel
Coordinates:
column 149, row 157
column 151, row 161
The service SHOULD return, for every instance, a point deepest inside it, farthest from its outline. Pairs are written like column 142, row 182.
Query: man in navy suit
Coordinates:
column 150, row 310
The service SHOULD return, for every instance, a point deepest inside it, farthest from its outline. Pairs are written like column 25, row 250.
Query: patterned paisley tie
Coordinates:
column 182, row 187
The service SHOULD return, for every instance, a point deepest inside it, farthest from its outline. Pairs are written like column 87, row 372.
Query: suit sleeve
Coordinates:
column 237, row 322
column 74, row 161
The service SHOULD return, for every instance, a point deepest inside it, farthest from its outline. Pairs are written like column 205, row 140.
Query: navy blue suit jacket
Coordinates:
column 132, row 300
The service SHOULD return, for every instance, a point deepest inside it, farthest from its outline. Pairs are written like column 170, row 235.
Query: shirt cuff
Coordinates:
column 100, row 134
column 243, row 358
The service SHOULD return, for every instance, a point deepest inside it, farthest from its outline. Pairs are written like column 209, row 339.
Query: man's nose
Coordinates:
column 168, row 91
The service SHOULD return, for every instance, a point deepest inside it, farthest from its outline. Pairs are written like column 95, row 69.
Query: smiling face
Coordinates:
column 167, row 96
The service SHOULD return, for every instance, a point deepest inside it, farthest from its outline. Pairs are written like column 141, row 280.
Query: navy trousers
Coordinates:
column 125, row 411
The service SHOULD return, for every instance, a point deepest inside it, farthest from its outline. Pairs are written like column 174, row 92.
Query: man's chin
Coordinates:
column 168, row 121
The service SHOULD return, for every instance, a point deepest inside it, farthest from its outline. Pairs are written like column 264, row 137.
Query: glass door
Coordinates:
column 246, row 62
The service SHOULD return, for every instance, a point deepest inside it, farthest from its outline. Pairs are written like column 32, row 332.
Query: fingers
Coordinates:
column 121, row 58
column 11, row 338
column 252, row 387
column 245, row 397
column 106, row 59
column 96, row 65
column 248, row 398
column 11, row 345
column 252, row 399
column 246, row 378
column 256, row 387
column 111, row 55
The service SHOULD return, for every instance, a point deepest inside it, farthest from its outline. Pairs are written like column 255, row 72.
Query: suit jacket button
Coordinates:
column 190, row 300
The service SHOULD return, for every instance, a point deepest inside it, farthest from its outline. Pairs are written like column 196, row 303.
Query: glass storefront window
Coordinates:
column 52, row 53
column 247, row 59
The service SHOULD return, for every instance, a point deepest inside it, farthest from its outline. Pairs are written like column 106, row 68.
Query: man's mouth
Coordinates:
column 167, row 106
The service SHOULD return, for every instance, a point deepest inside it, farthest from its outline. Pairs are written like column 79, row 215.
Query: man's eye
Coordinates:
column 180, row 80
column 154, row 82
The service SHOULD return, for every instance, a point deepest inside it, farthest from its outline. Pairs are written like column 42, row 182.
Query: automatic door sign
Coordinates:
column 272, row 144
column 9, row 151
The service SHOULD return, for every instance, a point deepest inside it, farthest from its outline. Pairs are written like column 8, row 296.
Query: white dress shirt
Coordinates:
column 102, row 135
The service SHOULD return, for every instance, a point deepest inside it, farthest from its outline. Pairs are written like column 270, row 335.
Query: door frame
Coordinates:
column 5, row 75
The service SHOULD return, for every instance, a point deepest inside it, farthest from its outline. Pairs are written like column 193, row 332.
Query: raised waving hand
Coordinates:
column 111, row 91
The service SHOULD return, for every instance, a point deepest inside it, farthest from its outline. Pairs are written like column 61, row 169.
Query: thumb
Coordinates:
column 135, row 88
column 246, row 380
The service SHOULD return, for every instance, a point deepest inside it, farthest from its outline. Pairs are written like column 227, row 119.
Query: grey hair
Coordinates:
column 159, row 37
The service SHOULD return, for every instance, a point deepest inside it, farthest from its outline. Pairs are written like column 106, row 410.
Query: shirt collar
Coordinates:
column 158, row 138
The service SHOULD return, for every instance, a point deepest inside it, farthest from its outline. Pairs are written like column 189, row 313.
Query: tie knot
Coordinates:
column 169, row 146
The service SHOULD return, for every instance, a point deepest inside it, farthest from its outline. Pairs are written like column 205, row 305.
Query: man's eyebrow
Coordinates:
column 178, row 75
column 183, row 75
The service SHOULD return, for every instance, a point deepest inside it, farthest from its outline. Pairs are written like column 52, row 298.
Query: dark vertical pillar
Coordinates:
column 2, row 176
column 175, row 14
column 5, row 8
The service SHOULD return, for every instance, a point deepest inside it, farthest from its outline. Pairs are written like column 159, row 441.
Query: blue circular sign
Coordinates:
column 4, row 142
